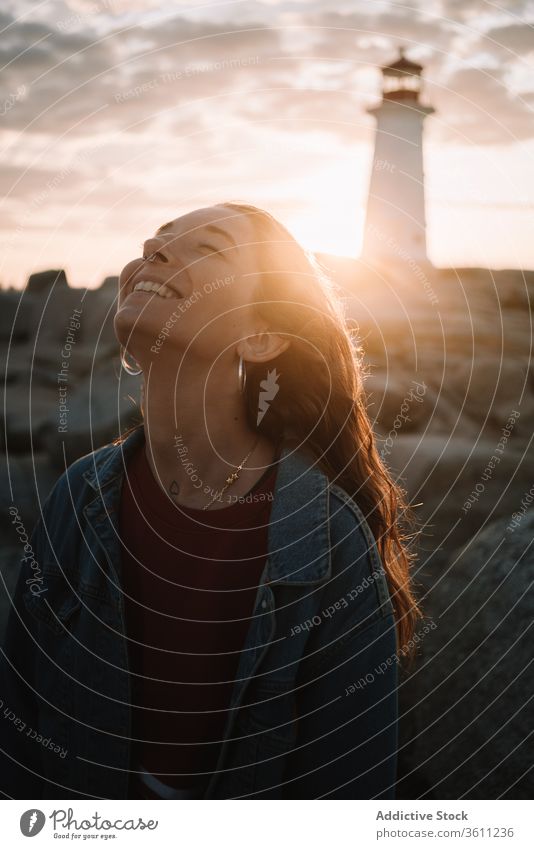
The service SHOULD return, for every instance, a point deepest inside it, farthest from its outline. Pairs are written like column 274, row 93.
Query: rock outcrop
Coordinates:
column 467, row 706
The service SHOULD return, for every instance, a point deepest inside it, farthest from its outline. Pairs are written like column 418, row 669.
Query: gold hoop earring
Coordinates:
column 242, row 375
column 126, row 366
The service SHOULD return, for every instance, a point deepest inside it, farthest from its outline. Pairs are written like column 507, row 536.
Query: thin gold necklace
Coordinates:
column 232, row 477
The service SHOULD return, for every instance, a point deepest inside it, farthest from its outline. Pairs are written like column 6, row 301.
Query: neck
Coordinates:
column 197, row 433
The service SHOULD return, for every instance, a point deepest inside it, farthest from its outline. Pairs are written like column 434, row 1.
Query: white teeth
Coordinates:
column 159, row 288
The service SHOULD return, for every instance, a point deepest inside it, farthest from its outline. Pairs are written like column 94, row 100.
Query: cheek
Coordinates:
column 218, row 325
column 207, row 322
column 222, row 308
column 127, row 273
column 128, row 270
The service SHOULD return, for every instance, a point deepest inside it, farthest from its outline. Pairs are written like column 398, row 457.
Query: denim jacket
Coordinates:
column 313, row 713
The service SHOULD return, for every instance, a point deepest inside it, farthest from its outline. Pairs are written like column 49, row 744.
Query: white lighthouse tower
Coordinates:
column 395, row 223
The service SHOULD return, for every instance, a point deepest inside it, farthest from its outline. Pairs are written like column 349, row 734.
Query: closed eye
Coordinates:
column 209, row 247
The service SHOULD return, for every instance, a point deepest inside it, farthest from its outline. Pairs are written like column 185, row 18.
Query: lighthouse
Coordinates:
column 395, row 223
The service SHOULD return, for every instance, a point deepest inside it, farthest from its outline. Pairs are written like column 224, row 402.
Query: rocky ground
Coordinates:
column 450, row 390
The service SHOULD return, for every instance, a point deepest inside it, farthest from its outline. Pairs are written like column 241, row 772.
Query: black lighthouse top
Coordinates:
column 402, row 79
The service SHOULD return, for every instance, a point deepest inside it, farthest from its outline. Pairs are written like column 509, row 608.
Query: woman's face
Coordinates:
column 197, row 293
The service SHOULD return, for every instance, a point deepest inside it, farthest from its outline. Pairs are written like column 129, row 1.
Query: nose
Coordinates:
column 154, row 246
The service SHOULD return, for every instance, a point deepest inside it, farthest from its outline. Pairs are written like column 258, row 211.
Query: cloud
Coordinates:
column 344, row 34
column 476, row 9
column 333, row 112
column 183, row 69
column 73, row 79
column 474, row 106
column 516, row 38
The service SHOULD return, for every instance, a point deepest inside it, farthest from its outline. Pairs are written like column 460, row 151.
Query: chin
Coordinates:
column 130, row 324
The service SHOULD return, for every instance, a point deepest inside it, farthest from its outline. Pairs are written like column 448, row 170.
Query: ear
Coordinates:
column 262, row 347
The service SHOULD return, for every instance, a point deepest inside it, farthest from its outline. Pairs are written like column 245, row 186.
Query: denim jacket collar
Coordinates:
column 298, row 537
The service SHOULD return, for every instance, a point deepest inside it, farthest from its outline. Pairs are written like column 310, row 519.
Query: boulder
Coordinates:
column 43, row 282
column 26, row 481
column 109, row 286
column 58, row 317
column 97, row 329
column 15, row 319
column 466, row 707
column 457, row 486
column 397, row 401
column 30, row 404
column 493, row 387
column 100, row 408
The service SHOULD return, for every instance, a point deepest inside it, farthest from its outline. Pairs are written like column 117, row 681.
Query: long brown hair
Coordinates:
column 321, row 400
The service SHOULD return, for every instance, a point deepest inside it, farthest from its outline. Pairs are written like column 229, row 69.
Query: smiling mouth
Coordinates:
column 160, row 289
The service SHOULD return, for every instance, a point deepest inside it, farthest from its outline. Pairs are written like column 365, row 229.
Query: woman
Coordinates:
column 225, row 591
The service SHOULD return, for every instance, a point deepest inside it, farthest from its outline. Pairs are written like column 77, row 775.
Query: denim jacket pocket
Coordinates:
column 270, row 728
column 270, row 707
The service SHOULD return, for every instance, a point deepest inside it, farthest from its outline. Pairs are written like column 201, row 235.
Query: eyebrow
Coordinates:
column 214, row 229
column 163, row 227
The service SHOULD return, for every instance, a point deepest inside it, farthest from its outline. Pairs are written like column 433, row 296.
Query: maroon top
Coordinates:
column 190, row 578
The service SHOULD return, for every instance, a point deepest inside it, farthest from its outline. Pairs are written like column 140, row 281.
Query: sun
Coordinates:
column 331, row 215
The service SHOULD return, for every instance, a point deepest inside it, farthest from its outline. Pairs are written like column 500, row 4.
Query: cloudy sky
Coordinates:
column 116, row 115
